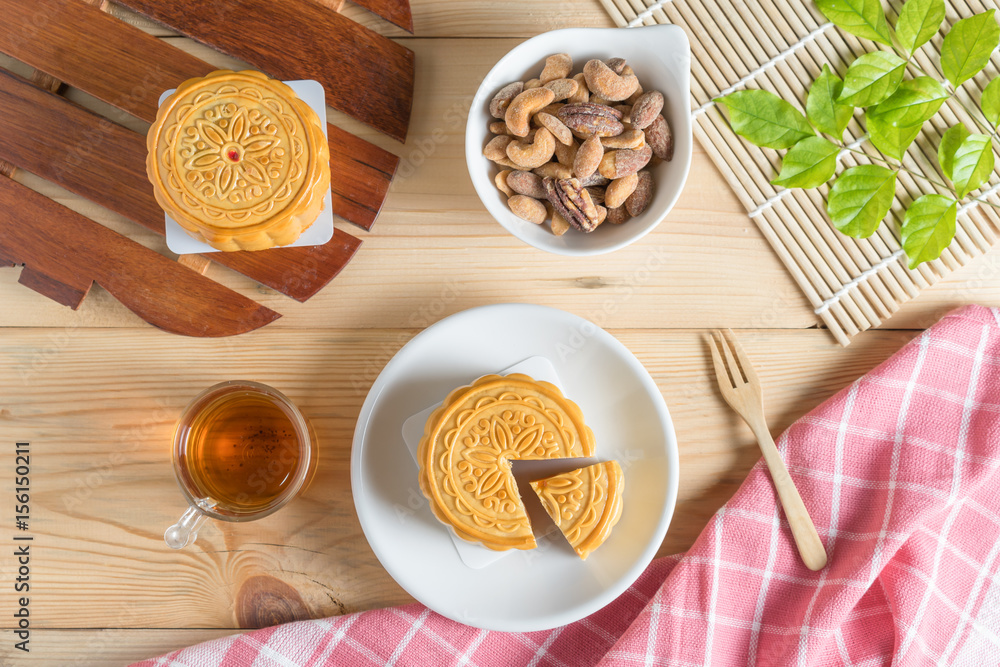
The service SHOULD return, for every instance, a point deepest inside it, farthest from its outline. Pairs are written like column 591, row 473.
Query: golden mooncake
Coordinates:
column 585, row 503
column 239, row 161
column 469, row 442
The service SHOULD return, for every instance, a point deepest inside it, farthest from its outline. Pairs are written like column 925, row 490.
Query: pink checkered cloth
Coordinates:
column 899, row 472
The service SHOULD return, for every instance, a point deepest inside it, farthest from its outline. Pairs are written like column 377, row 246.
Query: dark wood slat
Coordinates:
column 64, row 253
column 393, row 11
column 127, row 68
column 89, row 155
column 365, row 75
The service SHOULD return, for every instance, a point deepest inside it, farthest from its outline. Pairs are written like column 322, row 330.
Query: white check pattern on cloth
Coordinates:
column 901, row 474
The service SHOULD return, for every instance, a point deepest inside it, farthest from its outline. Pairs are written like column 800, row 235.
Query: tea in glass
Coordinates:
column 241, row 451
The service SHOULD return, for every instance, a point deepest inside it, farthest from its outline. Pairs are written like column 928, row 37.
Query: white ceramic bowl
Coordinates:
column 661, row 58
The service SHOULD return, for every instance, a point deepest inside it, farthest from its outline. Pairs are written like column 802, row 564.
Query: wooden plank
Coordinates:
column 364, row 74
column 394, row 11
column 101, row 429
column 89, row 155
column 129, row 69
column 437, row 250
column 454, row 18
column 475, row 18
column 64, row 253
column 110, row 646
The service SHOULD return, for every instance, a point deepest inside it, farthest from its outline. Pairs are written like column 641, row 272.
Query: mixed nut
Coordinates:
column 574, row 149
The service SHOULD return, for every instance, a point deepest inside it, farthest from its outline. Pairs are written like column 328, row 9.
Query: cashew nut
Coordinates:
column 496, row 149
column 627, row 139
column 553, row 170
column 524, row 106
column 582, row 93
column 534, row 154
column 501, row 182
column 566, row 154
column 563, row 88
column 602, row 81
column 557, row 66
column 559, row 224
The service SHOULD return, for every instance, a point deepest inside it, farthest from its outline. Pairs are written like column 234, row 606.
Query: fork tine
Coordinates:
column 734, row 369
column 725, row 384
column 748, row 372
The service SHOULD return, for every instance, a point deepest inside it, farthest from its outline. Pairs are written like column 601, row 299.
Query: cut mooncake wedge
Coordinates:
column 469, row 442
column 585, row 503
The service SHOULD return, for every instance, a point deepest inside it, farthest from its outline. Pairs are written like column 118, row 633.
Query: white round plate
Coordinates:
column 528, row 590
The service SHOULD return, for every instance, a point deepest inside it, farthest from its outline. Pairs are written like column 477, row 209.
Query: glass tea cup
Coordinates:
column 241, row 451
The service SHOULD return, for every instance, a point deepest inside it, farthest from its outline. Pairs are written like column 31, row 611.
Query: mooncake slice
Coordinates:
column 239, row 161
column 585, row 503
column 469, row 442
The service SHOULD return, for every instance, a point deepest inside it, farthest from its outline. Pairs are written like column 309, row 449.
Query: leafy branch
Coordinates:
column 895, row 109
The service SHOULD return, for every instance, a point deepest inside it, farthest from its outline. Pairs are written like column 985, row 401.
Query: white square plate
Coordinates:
column 319, row 233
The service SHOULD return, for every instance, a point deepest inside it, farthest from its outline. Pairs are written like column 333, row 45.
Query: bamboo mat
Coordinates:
column 781, row 46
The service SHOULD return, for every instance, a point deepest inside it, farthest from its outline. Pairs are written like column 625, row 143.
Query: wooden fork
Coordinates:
column 741, row 389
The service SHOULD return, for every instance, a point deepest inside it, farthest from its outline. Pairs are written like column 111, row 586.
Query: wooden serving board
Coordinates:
column 129, row 69
column 87, row 154
column 174, row 298
column 365, row 75
column 394, row 11
column 44, row 133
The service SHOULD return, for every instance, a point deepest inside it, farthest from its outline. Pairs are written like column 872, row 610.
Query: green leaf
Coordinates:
column 892, row 141
column 860, row 199
column 822, row 107
column 763, row 118
column 811, row 163
column 968, row 45
column 863, row 18
column 973, row 163
column 928, row 228
column 913, row 102
column 872, row 78
column 990, row 103
column 950, row 141
column 918, row 21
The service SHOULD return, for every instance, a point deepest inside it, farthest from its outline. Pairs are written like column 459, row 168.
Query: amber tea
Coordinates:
column 241, row 451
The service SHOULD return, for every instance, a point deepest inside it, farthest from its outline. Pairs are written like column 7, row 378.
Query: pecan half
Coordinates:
column 572, row 202
column 591, row 119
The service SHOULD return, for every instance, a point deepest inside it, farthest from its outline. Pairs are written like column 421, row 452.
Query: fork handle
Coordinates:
column 803, row 530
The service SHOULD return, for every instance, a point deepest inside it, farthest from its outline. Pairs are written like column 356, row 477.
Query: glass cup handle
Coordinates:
column 185, row 531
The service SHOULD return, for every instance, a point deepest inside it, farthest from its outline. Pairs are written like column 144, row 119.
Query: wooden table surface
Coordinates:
column 96, row 391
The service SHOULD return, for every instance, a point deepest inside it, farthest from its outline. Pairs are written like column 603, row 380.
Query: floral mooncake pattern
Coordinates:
column 469, row 442
column 239, row 161
column 585, row 503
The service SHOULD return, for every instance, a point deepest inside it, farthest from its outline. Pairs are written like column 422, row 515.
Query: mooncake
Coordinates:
column 585, row 503
column 239, row 161
column 469, row 442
